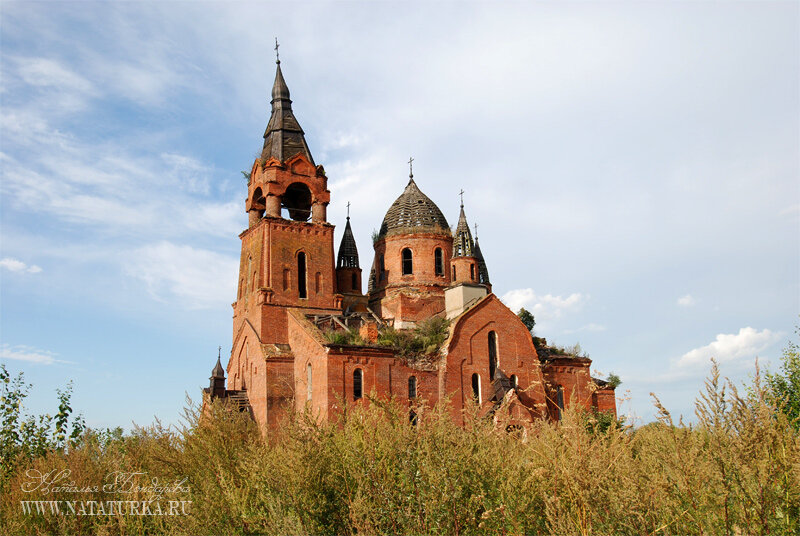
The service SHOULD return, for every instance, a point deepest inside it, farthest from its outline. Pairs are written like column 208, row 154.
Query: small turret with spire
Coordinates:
column 465, row 265
column 348, row 272
column 217, row 379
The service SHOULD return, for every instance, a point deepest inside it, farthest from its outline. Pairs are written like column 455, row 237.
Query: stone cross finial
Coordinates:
column 411, row 167
column 461, row 193
column 277, row 54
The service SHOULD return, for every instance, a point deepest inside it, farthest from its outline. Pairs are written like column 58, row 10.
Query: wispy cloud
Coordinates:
column 195, row 277
column 14, row 265
column 686, row 301
column 588, row 327
column 29, row 354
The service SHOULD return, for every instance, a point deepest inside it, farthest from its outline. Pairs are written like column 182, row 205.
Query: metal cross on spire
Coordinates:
column 219, row 352
column 277, row 54
column 461, row 193
column 476, row 231
column 348, row 210
column 411, row 167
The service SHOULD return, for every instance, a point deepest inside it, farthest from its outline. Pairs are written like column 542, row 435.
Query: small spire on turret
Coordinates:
column 218, row 371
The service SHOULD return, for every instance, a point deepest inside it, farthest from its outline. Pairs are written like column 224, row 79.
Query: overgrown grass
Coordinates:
column 737, row 471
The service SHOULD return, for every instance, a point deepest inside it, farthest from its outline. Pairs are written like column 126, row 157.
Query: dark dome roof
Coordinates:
column 413, row 212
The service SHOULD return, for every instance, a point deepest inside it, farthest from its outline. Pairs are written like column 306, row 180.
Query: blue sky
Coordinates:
column 633, row 167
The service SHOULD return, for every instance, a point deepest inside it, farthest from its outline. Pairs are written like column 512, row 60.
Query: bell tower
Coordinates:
column 287, row 258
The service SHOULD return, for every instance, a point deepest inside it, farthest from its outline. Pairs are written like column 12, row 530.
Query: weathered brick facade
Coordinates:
column 305, row 337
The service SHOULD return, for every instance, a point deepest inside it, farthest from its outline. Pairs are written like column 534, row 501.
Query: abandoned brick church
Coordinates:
column 306, row 335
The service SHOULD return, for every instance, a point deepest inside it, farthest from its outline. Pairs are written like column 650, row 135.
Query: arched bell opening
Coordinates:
column 296, row 200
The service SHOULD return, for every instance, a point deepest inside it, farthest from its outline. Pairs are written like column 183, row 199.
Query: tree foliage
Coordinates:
column 785, row 384
column 23, row 437
column 527, row 318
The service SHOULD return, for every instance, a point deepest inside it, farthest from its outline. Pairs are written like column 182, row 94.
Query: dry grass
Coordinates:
column 736, row 472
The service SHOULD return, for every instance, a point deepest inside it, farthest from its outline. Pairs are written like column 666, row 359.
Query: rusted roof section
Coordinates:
column 348, row 252
column 413, row 212
column 284, row 137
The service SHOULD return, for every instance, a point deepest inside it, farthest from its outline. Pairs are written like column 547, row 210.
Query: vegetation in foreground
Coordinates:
column 736, row 472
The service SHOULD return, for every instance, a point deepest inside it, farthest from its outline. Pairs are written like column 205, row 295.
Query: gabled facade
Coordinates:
column 306, row 337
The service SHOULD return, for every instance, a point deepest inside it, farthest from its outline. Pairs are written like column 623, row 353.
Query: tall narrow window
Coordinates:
column 301, row 275
column 408, row 262
column 412, row 387
column 492, row 354
column 472, row 272
column 309, row 386
column 358, row 384
column 382, row 268
column 438, row 261
column 354, row 281
column 560, row 401
column 476, row 388
column 514, row 381
column 454, row 272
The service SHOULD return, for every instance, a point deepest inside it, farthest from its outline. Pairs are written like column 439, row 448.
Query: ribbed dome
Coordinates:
column 413, row 212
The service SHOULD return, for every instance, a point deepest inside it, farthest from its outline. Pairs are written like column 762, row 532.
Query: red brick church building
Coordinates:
column 306, row 335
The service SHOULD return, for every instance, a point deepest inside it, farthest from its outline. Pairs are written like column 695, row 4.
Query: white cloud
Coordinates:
column 728, row 347
column 686, row 301
column 14, row 265
column 29, row 354
column 544, row 307
column 196, row 278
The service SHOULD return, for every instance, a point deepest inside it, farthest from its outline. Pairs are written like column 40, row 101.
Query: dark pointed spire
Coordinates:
column 284, row 137
column 348, row 252
column 463, row 245
column 218, row 371
column 483, row 271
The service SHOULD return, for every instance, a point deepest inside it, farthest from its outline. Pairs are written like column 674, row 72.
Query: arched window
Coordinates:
column 412, row 387
column 408, row 262
column 560, row 401
column 492, row 354
column 309, row 387
column 514, row 381
column 472, row 272
column 354, row 281
column 358, row 384
column 476, row 388
column 382, row 269
column 301, row 275
column 438, row 261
